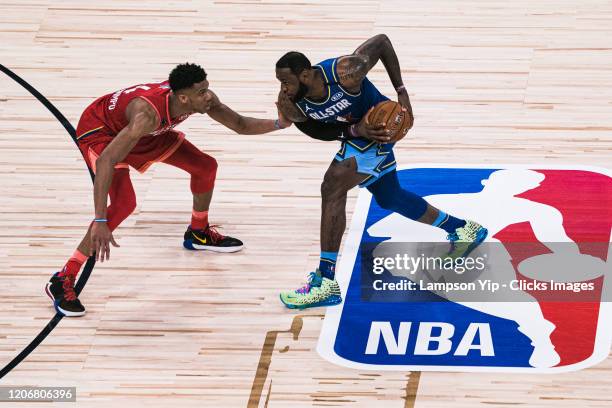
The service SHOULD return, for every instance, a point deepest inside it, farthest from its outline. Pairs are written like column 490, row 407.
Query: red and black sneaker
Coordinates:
column 61, row 291
column 210, row 239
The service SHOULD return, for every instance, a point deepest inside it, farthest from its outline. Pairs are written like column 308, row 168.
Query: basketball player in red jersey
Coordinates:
column 133, row 127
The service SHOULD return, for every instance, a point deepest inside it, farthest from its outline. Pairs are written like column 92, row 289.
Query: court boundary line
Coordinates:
column 90, row 262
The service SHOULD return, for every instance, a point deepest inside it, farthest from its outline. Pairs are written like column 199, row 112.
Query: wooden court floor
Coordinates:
column 490, row 82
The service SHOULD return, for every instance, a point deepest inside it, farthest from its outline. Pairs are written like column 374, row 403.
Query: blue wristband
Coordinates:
column 100, row 220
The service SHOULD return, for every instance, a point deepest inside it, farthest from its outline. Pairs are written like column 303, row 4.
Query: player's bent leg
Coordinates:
column 200, row 235
column 60, row 287
column 389, row 195
column 322, row 289
column 464, row 235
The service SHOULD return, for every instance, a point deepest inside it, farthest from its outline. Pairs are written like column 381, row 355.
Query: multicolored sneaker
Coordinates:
column 62, row 294
column 465, row 239
column 210, row 239
column 319, row 291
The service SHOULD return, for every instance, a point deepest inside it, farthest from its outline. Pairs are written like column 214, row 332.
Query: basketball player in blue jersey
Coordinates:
column 337, row 94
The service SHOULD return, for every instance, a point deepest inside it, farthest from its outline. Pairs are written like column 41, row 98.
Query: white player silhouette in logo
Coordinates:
column 496, row 207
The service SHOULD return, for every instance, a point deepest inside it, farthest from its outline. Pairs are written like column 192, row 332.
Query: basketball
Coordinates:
column 397, row 121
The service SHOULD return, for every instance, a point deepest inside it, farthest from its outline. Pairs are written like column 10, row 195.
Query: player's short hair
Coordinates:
column 295, row 61
column 185, row 75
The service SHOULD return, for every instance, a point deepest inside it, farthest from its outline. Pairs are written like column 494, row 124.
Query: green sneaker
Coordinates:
column 465, row 239
column 319, row 291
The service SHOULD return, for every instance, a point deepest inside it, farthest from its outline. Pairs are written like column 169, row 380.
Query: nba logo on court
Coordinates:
column 552, row 228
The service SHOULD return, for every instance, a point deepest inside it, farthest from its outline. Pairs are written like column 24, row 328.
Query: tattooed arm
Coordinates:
column 353, row 68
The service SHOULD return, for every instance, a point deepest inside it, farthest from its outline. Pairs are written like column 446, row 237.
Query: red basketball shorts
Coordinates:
column 93, row 137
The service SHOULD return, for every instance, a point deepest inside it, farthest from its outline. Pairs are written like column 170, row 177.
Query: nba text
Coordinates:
column 428, row 343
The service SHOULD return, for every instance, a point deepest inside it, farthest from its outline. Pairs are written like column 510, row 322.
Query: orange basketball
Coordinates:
column 397, row 121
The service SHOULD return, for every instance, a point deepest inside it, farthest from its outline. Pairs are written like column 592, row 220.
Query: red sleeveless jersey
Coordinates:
column 110, row 109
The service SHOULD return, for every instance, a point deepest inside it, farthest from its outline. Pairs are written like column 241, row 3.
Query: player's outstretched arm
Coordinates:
column 142, row 120
column 244, row 125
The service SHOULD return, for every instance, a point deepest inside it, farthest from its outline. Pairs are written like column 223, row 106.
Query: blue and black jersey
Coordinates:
column 339, row 105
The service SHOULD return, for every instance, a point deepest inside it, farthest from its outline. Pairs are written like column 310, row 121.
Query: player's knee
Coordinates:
column 210, row 166
column 203, row 180
column 332, row 188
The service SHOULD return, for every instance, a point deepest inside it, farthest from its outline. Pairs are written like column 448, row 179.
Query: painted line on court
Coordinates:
column 90, row 262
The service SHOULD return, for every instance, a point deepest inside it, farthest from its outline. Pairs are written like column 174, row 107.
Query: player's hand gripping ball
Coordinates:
column 397, row 121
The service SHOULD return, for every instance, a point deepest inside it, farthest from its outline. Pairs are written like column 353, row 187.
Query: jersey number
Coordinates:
column 144, row 87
